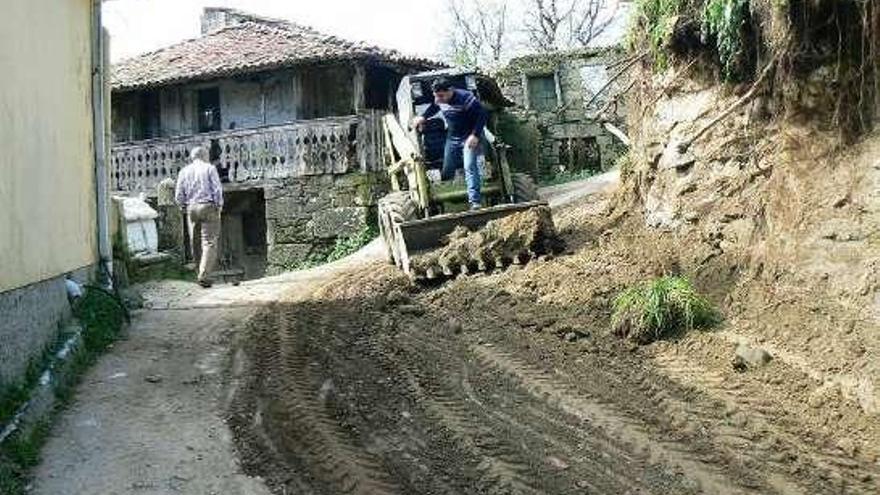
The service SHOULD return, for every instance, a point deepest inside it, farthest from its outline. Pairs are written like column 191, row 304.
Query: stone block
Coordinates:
column 338, row 222
column 282, row 189
column 283, row 207
column 287, row 256
column 291, row 231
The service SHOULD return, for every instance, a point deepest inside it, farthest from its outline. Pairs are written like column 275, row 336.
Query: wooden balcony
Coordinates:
column 335, row 145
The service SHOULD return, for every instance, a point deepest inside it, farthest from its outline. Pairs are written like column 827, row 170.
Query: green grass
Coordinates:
column 660, row 308
column 101, row 317
column 724, row 20
column 566, row 177
column 343, row 247
column 655, row 21
column 161, row 271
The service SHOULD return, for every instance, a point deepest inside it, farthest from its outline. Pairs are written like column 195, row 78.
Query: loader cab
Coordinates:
column 415, row 96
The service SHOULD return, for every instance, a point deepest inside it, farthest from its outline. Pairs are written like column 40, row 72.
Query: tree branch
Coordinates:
column 751, row 93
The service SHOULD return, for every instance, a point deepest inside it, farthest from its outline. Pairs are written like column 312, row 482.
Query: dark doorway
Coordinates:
column 380, row 88
column 149, row 122
column 243, row 234
column 209, row 109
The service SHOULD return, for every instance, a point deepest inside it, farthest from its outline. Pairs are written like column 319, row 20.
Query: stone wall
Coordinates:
column 31, row 318
column 570, row 137
column 305, row 216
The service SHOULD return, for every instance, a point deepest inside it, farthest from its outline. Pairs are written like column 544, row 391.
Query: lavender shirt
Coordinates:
column 198, row 183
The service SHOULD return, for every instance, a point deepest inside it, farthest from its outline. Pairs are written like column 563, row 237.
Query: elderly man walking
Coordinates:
column 200, row 193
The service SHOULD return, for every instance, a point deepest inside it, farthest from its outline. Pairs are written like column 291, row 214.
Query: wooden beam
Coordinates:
column 406, row 149
column 360, row 80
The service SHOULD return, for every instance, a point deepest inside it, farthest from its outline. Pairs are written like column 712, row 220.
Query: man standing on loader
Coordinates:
column 466, row 119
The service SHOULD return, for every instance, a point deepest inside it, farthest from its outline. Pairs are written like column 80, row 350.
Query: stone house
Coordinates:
column 558, row 121
column 53, row 192
column 291, row 117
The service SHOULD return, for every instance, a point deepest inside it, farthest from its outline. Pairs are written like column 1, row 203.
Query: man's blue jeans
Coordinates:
column 456, row 156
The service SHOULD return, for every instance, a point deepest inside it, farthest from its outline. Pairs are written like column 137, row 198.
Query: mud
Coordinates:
column 512, row 382
column 513, row 239
column 374, row 385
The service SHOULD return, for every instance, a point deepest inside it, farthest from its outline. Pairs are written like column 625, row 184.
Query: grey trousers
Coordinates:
column 204, row 222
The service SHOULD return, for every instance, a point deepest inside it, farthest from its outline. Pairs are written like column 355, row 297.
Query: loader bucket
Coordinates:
column 415, row 238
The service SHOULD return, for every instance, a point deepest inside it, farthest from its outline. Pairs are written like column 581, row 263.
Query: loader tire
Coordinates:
column 394, row 209
column 524, row 188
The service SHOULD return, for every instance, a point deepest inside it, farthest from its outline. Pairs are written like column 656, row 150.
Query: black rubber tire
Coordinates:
column 395, row 208
column 524, row 188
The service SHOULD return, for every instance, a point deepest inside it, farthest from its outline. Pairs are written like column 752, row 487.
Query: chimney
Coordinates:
column 214, row 18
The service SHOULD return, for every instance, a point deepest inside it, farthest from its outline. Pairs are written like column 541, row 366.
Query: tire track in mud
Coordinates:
column 495, row 468
column 772, row 437
column 355, row 399
column 295, row 423
column 602, row 417
column 506, row 466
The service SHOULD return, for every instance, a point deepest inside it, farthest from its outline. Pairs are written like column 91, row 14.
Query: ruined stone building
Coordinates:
column 557, row 124
column 292, row 120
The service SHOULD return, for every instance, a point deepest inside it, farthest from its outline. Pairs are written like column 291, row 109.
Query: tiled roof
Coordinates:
column 246, row 48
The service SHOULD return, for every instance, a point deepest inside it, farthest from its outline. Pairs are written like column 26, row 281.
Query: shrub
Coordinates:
column 725, row 20
column 657, row 18
column 656, row 309
column 348, row 245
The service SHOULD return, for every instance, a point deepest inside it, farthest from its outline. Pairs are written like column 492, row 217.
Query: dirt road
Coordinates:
column 350, row 379
column 373, row 386
column 151, row 416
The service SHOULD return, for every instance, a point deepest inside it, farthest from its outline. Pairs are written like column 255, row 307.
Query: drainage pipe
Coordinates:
column 100, row 99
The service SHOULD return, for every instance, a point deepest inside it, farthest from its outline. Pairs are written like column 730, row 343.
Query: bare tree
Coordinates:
column 556, row 24
column 478, row 32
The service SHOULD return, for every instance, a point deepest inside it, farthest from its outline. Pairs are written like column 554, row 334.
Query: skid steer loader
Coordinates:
column 421, row 211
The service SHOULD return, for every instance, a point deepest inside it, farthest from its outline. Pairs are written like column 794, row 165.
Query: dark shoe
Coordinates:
column 205, row 283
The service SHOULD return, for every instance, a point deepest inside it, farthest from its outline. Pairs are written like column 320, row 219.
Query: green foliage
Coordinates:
column 655, row 309
column 624, row 163
column 18, row 455
column 101, row 316
column 565, row 177
column 161, row 271
column 724, row 20
column 14, row 395
column 657, row 18
column 343, row 247
column 347, row 245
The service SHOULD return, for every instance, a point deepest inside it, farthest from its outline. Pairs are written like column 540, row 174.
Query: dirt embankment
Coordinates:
column 776, row 219
column 511, row 383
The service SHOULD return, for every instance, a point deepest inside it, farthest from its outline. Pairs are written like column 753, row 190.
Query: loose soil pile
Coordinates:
column 512, row 239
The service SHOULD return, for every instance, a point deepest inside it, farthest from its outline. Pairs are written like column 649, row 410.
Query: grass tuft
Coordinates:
column 659, row 308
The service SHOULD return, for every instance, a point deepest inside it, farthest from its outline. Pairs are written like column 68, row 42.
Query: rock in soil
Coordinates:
column 750, row 357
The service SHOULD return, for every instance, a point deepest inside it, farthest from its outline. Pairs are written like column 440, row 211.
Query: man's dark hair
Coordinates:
column 441, row 84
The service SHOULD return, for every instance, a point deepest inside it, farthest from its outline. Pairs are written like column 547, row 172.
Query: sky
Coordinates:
column 138, row 26
column 411, row 26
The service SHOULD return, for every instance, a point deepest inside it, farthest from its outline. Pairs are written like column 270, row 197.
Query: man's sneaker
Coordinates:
column 475, row 206
column 205, row 283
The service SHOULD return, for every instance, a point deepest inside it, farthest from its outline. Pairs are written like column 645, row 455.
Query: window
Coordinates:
column 542, row 93
column 209, row 109
column 148, row 125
